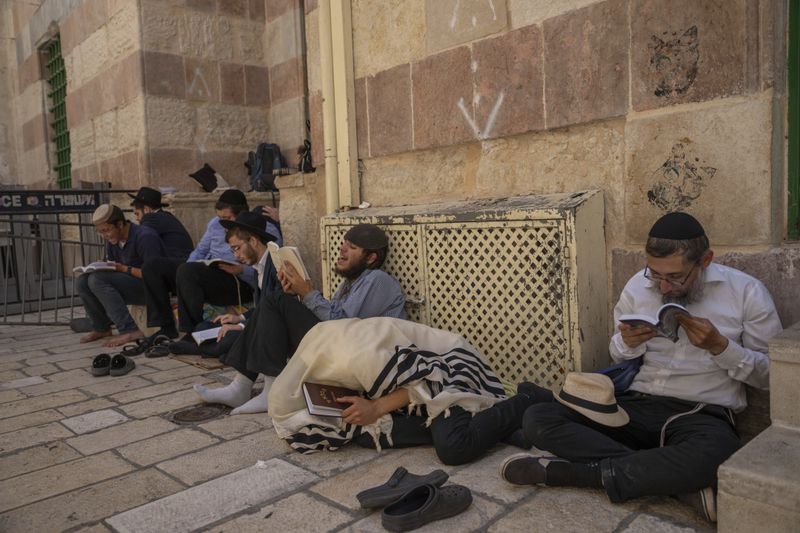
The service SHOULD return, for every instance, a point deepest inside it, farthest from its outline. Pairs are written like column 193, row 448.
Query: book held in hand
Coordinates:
column 214, row 262
column 665, row 324
column 321, row 399
column 205, row 335
column 287, row 254
column 97, row 266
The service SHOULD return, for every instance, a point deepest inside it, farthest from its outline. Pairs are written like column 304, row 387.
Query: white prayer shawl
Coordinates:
column 378, row 355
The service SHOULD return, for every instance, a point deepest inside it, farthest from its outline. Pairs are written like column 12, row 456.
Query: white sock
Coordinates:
column 233, row 395
column 257, row 404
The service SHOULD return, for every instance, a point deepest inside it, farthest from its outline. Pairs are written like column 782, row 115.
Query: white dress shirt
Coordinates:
column 741, row 309
column 260, row 267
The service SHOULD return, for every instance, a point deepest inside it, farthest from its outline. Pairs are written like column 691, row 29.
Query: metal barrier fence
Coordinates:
column 44, row 235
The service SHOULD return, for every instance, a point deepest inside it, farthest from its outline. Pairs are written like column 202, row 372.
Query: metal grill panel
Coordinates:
column 502, row 286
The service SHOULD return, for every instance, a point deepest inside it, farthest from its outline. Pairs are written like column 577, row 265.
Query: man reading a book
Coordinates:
column 106, row 294
column 682, row 400
column 281, row 319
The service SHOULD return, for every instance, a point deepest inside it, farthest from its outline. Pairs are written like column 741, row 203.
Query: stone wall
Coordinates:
column 662, row 105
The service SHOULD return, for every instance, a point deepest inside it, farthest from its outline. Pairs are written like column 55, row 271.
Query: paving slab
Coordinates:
column 107, row 385
column 41, row 370
column 162, row 404
column 25, row 438
column 71, row 364
column 652, row 524
column 28, row 488
column 165, row 363
column 29, row 420
column 93, row 421
column 30, row 405
column 225, row 457
column 11, row 395
column 74, row 352
column 36, row 458
column 677, row 512
column 12, row 375
column 178, row 373
column 166, row 446
column 86, row 407
column 9, row 365
column 22, row 382
column 289, row 514
column 120, row 435
column 231, row 427
column 157, row 390
column 91, row 504
column 201, row 505
column 61, row 382
column 328, row 463
column 483, row 476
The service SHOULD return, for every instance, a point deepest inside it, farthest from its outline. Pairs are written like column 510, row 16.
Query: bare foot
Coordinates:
column 125, row 338
column 94, row 335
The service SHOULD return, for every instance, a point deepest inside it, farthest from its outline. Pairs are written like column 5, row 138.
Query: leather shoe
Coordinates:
column 400, row 483
column 424, row 504
column 101, row 365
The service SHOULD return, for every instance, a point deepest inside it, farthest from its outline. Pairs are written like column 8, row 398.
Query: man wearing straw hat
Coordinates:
column 680, row 405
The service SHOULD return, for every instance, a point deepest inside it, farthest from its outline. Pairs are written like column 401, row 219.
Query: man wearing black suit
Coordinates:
column 147, row 207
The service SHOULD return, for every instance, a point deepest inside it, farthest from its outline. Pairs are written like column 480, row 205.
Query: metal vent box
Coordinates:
column 523, row 279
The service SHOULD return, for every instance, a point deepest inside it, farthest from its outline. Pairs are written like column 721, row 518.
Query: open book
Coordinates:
column 213, row 262
column 665, row 323
column 106, row 266
column 321, row 399
column 287, row 254
column 206, row 335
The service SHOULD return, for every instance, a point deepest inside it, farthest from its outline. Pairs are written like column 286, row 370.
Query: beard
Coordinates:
column 354, row 271
column 693, row 294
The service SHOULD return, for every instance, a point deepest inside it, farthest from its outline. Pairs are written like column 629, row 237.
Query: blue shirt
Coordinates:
column 142, row 244
column 177, row 242
column 213, row 245
column 373, row 293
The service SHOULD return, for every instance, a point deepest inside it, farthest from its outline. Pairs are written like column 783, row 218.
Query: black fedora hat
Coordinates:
column 148, row 196
column 250, row 222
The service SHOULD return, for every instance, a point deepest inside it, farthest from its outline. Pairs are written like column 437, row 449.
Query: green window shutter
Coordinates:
column 57, row 80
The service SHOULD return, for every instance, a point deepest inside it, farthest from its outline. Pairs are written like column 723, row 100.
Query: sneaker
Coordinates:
column 527, row 469
column 703, row 501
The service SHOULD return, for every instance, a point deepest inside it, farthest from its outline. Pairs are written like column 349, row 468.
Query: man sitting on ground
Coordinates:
column 147, row 208
column 281, row 320
column 105, row 294
column 681, row 427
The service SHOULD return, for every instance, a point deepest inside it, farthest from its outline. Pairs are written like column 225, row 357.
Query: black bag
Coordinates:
column 206, row 177
column 622, row 374
column 261, row 164
column 304, row 152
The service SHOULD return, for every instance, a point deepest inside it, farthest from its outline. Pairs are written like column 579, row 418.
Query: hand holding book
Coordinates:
column 703, row 334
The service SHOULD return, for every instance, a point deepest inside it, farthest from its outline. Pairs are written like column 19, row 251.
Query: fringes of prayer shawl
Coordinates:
column 378, row 356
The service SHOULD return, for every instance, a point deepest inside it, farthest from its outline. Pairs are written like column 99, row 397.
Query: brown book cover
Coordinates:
column 321, row 399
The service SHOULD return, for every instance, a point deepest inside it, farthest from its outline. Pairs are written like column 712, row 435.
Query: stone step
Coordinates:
column 784, row 377
column 759, row 487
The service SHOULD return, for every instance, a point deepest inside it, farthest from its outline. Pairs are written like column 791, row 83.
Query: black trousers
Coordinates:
column 632, row 461
column 461, row 437
column 159, row 276
column 197, row 284
column 274, row 330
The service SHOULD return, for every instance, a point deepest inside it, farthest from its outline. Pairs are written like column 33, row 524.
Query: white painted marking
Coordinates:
column 489, row 121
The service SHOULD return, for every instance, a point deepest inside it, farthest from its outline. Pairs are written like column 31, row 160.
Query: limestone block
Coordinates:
column 784, row 375
column 257, row 10
column 283, row 40
column 276, row 8
column 259, row 125
column 586, row 64
column 170, row 122
column 95, row 53
column 82, row 147
column 312, row 52
column 290, row 514
column 139, row 314
column 287, row 126
column 257, row 85
column 160, row 28
column 387, row 33
column 105, row 135
column 42, row 456
column 230, row 165
column 452, row 22
column 301, row 206
column 316, row 135
column 205, row 35
column 250, row 41
column 285, row 80
column 362, row 117
column 169, row 167
column 224, row 126
column 525, row 12
column 389, row 112
column 164, row 75
column 441, row 117
column 202, row 79
column 687, row 51
column 703, row 160
column 29, row 102
column 131, row 125
column 231, row 79
column 234, row 8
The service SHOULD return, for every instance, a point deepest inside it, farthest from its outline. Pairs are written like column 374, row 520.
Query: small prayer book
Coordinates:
column 106, row 266
column 665, row 324
column 205, row 335
column 287, row 254
column 321, row 399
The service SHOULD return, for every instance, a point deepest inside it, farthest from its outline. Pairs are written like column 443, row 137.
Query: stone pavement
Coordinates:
column 81, row 453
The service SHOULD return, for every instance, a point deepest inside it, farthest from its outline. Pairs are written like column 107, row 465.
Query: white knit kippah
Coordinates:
column 106, row 212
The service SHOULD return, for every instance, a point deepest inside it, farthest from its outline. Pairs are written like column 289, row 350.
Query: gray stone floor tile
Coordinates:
column 231, row 427
column 36, row 458
column 25, row 438
column 41, row 370
column 676, row 511
column 120, row 435
column 29, row 420
column 73, row 352
column 22, row 382
column 106, row 385
column 201, row 505
column 327, row 463
column 225, row 457
column 157, row 390
column 162, row 404
column 9, row 365
column 11, row 395
column 166, row 446
column 30, row 405
column 474, row 518
column 71, row 364
column 165, row 363
column 12, row 375
column 94, row 528
column 93, row 421
column 61, row 382
column 85, row 407
column 28, row 488
column 177, row 373
column 299, row 512
column 90, row 504
column 557, row 509
column 651, row 524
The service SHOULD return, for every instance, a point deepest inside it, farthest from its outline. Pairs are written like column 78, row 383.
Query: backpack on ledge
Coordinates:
column 261, row 165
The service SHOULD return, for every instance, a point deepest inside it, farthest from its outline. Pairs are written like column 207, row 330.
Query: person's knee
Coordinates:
column 83, row 283
column 98, row 280
column 536, row 423
column 187, row 274
column 452, row 455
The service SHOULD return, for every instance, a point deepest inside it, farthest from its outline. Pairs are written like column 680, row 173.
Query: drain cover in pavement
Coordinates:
column 201, row 413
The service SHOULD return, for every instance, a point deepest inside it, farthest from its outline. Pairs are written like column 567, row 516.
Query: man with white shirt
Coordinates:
column 681, row 402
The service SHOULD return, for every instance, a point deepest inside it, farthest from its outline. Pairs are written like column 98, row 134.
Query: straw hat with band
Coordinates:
column 592, row 395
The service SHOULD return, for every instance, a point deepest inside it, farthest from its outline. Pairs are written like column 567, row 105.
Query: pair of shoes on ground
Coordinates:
column 118, row 365
column 411, row 501
column 527, row 469
column 153, row 346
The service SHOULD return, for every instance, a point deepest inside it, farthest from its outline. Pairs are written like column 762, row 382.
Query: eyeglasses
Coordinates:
column 671, row 281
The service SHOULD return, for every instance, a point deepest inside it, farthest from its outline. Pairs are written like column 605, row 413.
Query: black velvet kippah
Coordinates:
column 677, row 226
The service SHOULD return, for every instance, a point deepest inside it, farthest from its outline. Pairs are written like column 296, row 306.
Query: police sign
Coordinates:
column 49, row 201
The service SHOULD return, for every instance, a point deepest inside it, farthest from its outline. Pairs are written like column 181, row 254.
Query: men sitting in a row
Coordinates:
column 281, row 320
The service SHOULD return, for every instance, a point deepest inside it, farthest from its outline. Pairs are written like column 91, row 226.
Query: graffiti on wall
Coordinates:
column 674, row 62
column 679, row 181
column 480, row 133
